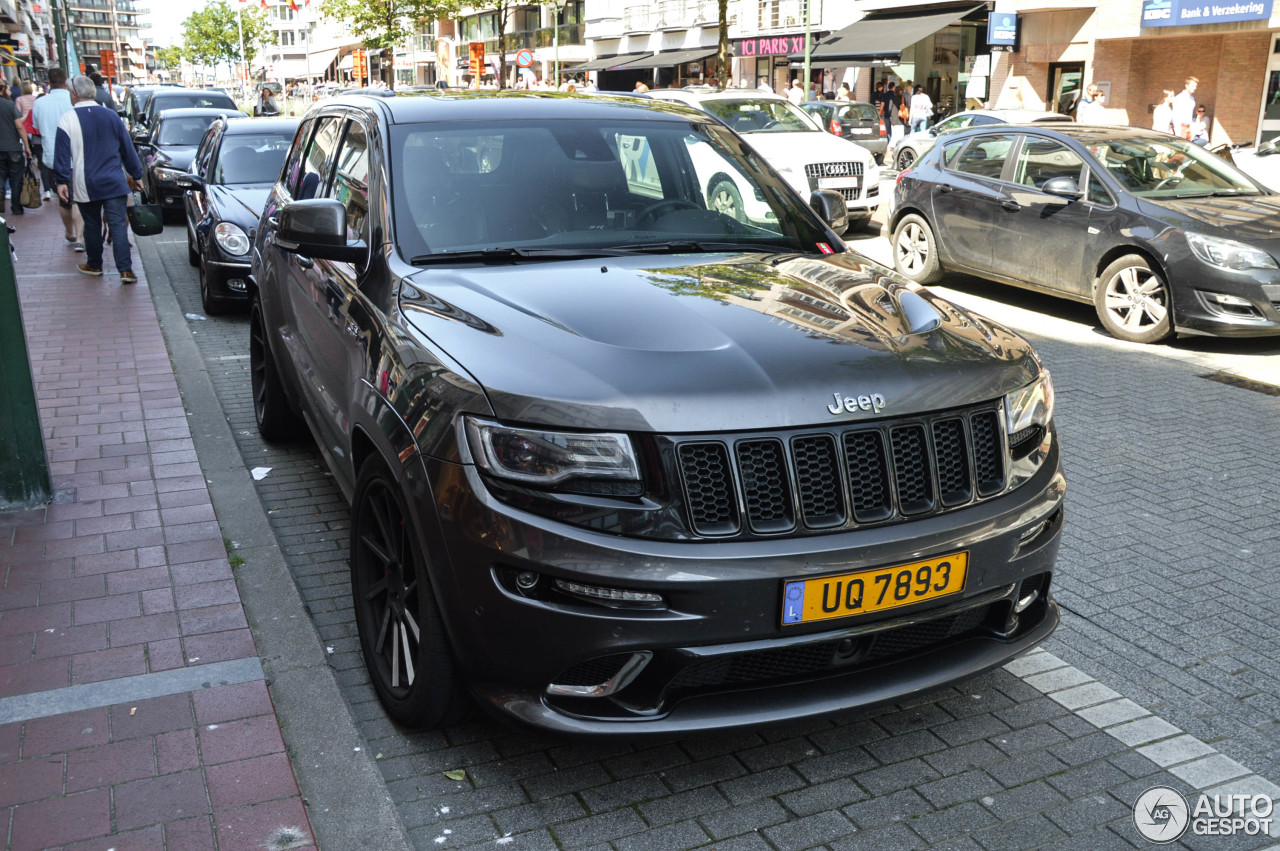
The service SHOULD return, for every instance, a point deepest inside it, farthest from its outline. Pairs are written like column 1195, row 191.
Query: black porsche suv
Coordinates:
column 620, row 463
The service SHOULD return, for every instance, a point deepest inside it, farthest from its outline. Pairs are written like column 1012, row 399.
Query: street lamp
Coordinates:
column 559, row 6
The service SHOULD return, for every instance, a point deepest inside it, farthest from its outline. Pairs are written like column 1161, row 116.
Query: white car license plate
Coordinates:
column 837, row 183
column 859, row 131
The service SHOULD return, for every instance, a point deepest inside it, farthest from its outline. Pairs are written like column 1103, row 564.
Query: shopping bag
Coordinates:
column 145, row 219
column 30, row 197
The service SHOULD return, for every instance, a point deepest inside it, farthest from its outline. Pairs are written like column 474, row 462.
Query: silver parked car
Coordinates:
column 911, row 147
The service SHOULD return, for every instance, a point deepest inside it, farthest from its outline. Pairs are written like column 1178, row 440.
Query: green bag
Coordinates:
column 145, row 219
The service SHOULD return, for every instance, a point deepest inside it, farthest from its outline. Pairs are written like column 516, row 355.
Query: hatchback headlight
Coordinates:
column 1228, row 254
column 169, row 175
column 231, row 239
column 1030, row 406
column 540, row 457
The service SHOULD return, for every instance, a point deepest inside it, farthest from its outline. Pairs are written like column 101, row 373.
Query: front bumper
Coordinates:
column 716, row 655
column 1222, row 303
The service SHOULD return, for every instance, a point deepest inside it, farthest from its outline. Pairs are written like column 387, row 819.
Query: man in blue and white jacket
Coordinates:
column 91, row 156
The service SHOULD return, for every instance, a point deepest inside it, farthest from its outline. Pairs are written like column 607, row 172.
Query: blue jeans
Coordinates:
column 919, row 124
column 13, row 168
column 114, row 210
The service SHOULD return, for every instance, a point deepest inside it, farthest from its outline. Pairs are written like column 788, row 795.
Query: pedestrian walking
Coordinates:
column 91, row 157
column 1200, row 126
column 102, row 92
column 893, row 116
column 1184, row 107
column 1092, row 108
column 266, row 105
column 921, row 110
column 1162, row 115
column 15, row 150
column 844, row 93
column 795, row 93
column 26, row 99
column 45, row 114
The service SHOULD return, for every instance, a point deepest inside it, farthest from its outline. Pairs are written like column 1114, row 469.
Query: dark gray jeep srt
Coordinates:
column 623, row 460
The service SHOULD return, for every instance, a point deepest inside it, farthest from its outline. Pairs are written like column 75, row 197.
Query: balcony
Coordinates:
column 533, row 39
column 675, row 15
column 782, row 16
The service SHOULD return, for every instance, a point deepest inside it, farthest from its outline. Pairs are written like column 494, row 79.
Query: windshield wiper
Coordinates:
column 510, row 255
column 689, row 247
column 1218, row 193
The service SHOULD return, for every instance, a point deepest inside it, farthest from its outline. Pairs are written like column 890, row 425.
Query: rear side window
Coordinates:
column 293, row 163
column 949, row 151
column 1041, row 160
column 985, row 156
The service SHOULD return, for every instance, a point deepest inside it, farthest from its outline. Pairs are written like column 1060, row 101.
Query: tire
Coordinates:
column 213, row 306
column 401, row 631
column 1133, row 301
column 277, row 421
column 915, row 251
column 904, row 159
column 723, row 197
column 193, row 256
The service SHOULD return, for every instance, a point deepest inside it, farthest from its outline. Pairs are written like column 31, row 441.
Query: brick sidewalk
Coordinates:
column 133, row 711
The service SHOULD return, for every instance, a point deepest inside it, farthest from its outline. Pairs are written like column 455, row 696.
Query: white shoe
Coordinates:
column 47, row 196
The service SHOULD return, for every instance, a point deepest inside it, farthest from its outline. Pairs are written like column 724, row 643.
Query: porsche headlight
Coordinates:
column 1030, row 406
column 546, row 458
column 169, row 175
column 231, row 239
column 1227, row 254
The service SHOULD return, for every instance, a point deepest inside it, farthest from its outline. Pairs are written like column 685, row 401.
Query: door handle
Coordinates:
column 944, row 189
column 274, row 221
column 305, row 262
column 1011, row 206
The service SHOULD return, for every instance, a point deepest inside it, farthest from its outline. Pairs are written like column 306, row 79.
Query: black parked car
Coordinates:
column 168, row 149
column 623, row 464
column 134, row 104
column 1159, row 234
column 234, row 167
column 856, row 121
column 170, row 97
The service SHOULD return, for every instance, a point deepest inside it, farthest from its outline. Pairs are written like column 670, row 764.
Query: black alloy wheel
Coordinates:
column 905, row 159
column 401, row 633
column 277, row 421
column 213, row 306
column 193, row 256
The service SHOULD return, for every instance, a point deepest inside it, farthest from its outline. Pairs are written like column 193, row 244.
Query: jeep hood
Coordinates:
column 709, row 342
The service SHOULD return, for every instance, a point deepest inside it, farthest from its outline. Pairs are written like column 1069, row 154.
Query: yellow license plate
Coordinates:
column 808, row 600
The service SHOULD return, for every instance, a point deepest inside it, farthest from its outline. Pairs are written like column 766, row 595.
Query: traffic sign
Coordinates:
column 524, row 58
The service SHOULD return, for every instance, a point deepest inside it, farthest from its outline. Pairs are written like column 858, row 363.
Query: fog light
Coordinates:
column 236, row 285
column 526, row 580
column 1026, row 600
column 1232, row 300
column 1032, row 533
column 602, row 594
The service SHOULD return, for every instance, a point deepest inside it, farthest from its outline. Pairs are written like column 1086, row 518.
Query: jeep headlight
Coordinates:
column 169, row 175
column 1228, row 254
column 231, row 239
column 1030, row 406
column 540, row 457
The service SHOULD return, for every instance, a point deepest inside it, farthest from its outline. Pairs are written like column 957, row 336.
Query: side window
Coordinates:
column 351, row 180
column 1041, row 160
column 955, row 123
column 293, row 163
column 1096, row 193
column 984, row 120
column 949, row 151
column 985, row 155
column 317, row 160
column 207, row 145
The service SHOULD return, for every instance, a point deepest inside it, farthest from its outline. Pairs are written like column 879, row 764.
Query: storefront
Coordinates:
column 942, row 47
column 769, row 59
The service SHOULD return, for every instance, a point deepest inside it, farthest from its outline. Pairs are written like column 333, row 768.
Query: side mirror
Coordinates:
column 139, row 133
column 317, row 228
column 191, row 181
column 1063, row 187
column 830, row 207
column 1267, row 148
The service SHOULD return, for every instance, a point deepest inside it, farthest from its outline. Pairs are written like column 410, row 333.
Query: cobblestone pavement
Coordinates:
column 1165, row 670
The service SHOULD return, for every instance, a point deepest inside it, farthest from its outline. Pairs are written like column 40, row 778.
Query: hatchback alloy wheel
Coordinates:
column 906, row 157
column 915, row 252
column 1133, row 301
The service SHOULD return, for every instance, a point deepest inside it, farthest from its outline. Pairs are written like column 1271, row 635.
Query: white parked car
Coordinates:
column 911, row 147
column 791, row 141
column 1261, row 163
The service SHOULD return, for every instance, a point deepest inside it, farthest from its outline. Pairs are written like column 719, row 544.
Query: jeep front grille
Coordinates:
column 840, row 478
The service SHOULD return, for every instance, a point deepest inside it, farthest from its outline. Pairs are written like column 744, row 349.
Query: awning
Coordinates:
column 608, row 63
column 879, row 38
column 321, row 60
column 347, row 62
column 671, row 58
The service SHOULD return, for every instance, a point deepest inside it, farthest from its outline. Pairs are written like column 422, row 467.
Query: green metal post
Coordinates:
column 63, row 59
column 24, row 468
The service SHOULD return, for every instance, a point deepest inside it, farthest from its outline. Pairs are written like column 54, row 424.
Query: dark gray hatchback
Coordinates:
column 621, row 464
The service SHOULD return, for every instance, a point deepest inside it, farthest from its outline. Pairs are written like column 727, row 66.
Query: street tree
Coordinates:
column 169, row 58
column 503, row 12
column 211, row 35
column 722, row 52
column 384, row 24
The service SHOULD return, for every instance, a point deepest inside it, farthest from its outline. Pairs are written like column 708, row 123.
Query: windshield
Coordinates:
column 183, row 132
column 1168, row 168
column 251, row 158
column 213, row 100
column 589, row 185
column 760, row 116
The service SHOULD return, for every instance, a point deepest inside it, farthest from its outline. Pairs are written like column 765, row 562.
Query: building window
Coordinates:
column 287, row 39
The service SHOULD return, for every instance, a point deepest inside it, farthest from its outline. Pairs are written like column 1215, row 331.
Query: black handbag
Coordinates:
column 145, row 219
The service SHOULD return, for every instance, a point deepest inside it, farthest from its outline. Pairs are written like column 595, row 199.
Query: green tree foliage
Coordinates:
column 211, row 35
column 169, row 57
column 383, row 24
